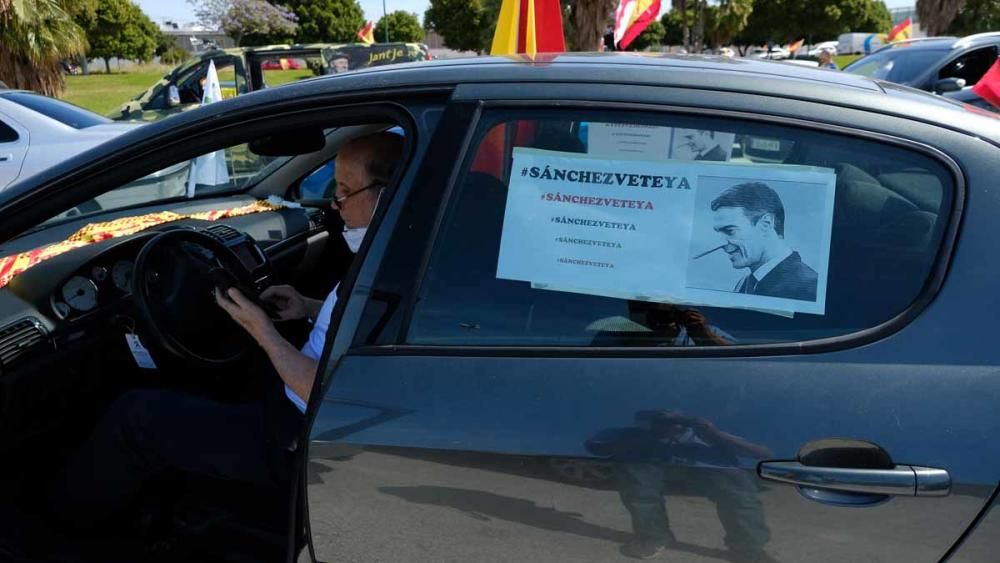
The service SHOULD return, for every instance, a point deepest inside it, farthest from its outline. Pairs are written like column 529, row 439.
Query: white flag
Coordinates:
column 210, row 169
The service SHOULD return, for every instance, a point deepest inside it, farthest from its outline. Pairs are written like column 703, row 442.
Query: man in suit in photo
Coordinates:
column 751, row 219
column 703, row 144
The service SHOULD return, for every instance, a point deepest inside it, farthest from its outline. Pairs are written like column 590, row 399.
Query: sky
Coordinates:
column 182, row 11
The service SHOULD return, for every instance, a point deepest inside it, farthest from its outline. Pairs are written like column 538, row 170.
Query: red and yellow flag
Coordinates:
column 367, row 33
column 11, row 266
column 632, row 17
column 793, row 47
column 530, row 27
column 902, row 31
column 988, row 87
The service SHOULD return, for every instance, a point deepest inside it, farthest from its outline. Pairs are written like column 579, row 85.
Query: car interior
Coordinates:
column 891, row 209
column 64, row 357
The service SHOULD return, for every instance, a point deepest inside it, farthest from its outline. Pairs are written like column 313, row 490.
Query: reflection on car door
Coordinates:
column 13, row 148
column 470, row 417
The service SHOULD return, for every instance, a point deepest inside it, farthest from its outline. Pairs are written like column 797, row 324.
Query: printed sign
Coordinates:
column 700, row 233
column 650, row 142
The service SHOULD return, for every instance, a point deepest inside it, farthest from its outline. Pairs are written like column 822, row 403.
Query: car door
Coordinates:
column 13, row 148
column 554, row 350
column 969, row 66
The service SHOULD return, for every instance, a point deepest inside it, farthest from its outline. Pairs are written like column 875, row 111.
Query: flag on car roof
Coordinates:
column 793, row 47
column 209, row 169
column 530, row 27
column 632, row 17
column 367, row 33
column 902, row 31
column 988, row 87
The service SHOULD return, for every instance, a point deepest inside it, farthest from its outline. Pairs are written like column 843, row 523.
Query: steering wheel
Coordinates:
column 173, row 288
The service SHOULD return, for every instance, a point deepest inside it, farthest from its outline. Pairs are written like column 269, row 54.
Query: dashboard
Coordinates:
column 78, row 295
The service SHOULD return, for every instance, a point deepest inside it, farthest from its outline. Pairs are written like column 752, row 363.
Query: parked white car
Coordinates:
column 774, row 53
column 824, row 46
column 37, row 132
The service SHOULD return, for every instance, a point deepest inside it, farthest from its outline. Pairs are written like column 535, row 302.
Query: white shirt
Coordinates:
column 313, row 347
column 771, row 264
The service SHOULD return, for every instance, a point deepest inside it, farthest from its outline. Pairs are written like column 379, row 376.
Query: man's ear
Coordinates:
column 766, row 223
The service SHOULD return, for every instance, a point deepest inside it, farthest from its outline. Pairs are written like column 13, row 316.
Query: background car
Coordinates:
column 935, row 64
column 462, row 412
column 831, row 46
column 37, row 131
column 967, row 96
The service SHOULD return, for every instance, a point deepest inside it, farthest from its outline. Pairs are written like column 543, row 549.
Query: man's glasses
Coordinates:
column 339, row 200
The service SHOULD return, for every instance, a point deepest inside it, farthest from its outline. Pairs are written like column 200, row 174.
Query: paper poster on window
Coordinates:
column 700, row 233
column 628, row 141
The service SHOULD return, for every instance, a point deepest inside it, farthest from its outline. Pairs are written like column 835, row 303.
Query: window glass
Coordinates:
column 676, row 231
column 231, row 169
column 63, row 112
column 320, row 183
column 7, row 134
column 970, row 66
column 900, row 64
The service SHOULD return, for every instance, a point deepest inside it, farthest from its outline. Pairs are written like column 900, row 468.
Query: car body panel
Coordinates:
column 942, row 51
column 12, row 153
column 417, row 440
column 435, row 453
column 47, row 142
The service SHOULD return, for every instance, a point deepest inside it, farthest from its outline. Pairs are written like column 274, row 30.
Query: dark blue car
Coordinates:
column 610, row 308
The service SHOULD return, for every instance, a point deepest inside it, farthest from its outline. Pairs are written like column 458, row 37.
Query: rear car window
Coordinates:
column 7, row 134
column 623, row 230
column 63, row 112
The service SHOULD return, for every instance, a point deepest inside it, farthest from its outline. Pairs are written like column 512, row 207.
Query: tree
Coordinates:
column 257, row 19
column 935, row 16
column 465, row 25
column 978, row 16
column 782, row 21
column 726, row 20
column 651, row 37
column 119, row 29
column 587, row 21
column 402, row 26
column 335, row 21
column 255, row 22
column 35, row 36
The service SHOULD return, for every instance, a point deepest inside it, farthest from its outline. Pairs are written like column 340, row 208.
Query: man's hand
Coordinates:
column 248, row 315
column 290, row 303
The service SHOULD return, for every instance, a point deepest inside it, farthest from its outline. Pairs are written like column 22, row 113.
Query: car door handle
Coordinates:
column 901, row 480
column 6, row 157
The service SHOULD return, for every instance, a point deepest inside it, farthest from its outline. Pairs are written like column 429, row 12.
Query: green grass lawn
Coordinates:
column 844, row 60
column 103, row 93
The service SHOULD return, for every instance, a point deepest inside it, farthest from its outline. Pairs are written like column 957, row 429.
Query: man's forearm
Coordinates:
column 297, row 370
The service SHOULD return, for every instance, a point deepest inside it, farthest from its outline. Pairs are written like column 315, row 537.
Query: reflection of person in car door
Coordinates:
column 150, row 433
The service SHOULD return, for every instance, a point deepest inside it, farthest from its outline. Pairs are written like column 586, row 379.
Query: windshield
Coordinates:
column 232, row 169
column 63, row 112
column 899, row 64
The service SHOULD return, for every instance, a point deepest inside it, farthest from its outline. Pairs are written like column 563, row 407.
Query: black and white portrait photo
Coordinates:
column 760, row 238
column 701, row 144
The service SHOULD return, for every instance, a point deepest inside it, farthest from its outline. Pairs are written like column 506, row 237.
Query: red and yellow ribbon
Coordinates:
column 12, row 266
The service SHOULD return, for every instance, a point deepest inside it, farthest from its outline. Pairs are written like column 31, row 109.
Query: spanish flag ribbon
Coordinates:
column 902, row 31
column 12, row 266
column 529, row 27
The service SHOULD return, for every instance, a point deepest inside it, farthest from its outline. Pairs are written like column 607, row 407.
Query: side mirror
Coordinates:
column 949, row 85
column 173, row 96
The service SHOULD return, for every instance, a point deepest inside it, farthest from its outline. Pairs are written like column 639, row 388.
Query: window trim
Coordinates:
column 932, row 285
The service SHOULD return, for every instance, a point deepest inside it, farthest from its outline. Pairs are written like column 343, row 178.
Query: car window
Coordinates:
column 7, row 133
column 63, row 112
column 900, row 64
column 319, row 184
column 229, row 170
column 676, row 231
column 970, row 66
